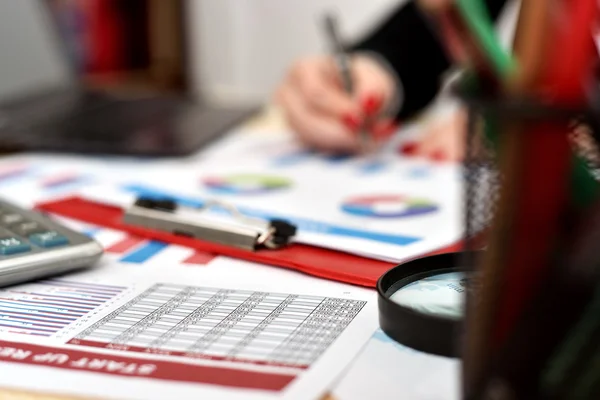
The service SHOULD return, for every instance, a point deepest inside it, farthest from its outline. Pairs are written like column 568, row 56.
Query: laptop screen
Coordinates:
column 32, row 59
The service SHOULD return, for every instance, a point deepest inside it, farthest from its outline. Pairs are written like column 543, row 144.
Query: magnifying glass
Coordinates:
column 421, row 303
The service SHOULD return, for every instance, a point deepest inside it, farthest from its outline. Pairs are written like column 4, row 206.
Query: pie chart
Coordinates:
column 246, row 184
column 388, row 206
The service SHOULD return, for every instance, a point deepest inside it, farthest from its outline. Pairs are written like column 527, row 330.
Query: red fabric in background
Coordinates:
column 105, row 36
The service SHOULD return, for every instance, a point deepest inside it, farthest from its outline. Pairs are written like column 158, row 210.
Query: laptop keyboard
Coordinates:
column 90, row 119
column 53, row 110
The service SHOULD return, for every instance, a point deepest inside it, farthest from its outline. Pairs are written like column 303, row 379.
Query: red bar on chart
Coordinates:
column 125, row 244
column 199, row 258
column 13, row 171
column 61, row 180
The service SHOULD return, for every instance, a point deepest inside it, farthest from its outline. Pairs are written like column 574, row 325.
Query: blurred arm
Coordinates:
column 410, row 48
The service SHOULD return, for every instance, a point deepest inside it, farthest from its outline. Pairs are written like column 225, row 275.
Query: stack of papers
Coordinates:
column 155, row 330
column 117, row 327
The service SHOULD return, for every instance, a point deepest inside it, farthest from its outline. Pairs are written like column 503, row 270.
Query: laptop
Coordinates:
column 43, row 106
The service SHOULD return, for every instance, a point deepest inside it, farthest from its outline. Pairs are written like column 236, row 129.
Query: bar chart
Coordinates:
column 64, row 180
column 136, row 250
column 14, row 171
column 45, row 307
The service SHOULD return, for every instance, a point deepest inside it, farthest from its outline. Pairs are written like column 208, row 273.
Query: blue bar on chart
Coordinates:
column 372, row 167
column 419, row 172
column 337, row 158
column 92, row 232
column 45, row 307
column 293, row 158
column 144, row 253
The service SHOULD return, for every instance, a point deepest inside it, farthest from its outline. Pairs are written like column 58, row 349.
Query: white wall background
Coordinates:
column 241, row 48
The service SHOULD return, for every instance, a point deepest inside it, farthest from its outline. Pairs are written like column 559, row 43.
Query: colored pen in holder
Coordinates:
column 488, row 210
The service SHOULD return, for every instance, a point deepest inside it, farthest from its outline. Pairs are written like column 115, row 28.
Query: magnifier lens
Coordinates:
column 422, row 302
column 441, row 295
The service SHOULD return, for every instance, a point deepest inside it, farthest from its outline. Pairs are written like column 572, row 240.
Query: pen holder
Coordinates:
column 487, row 156
column 481, row 175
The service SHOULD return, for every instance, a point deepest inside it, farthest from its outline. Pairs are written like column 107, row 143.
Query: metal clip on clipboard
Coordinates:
column 248, row 234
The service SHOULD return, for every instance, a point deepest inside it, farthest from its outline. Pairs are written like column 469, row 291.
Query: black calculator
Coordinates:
column 33, row 246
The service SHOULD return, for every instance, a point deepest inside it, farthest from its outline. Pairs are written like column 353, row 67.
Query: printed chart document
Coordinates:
column 381, row 207
column 119, row 332
column 30, row 178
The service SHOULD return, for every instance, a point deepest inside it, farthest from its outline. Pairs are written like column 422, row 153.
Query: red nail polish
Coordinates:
column 408, row 148
column 352, row 122
column 372, row 104
column 439, row 155
column 384, row 130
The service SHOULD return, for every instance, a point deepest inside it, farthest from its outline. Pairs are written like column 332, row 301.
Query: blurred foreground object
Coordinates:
column 532, row 326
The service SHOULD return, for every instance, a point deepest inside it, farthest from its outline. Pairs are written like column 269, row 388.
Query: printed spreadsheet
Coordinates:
column 221, row 324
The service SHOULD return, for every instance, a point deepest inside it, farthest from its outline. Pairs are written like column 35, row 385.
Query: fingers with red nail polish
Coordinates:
column 439, row 156
column 408, row 148
column 352, row 122
column 384, row 129
column 371, row 104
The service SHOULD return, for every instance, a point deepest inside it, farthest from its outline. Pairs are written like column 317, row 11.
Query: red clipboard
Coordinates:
column 316, row 261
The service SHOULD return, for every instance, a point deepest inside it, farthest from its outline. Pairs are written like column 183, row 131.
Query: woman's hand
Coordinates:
column 323, row 115
column 326, row 118
column 443, row 138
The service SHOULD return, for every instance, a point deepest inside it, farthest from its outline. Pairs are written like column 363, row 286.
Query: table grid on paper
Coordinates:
column 221, row 324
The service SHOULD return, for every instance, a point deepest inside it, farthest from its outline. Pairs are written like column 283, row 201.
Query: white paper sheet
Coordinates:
column 385, row 207
column 180, row 332
column 386, row 370
column 381, row 366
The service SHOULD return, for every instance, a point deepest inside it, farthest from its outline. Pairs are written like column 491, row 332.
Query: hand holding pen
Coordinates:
column 331, row 101
column 328, row 108
column 368, row 131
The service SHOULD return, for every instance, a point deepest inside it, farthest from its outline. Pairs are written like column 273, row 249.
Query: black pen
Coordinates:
column 342, row 61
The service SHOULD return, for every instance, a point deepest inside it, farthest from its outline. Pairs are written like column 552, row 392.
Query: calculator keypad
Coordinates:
column 8, row 219
column 10, row 245
column 19, row 235
column 49, row 239
column 28, row 228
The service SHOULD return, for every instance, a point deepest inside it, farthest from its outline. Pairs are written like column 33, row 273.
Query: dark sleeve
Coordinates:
column 407, row 42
